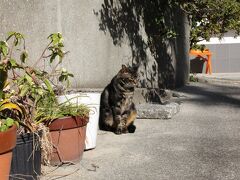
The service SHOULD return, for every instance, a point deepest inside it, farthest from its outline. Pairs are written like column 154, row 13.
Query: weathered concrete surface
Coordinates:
column 201, row 142
column 157, row 111
column 93, row 58
column 146, row 110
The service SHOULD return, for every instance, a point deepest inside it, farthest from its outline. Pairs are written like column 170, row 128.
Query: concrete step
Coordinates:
column 157, row 111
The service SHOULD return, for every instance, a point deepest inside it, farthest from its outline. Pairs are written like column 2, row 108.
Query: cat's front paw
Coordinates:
column 118, row 131
column 121, row 130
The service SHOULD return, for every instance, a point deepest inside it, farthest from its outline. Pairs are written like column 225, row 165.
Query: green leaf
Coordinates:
column 61, row 78
column 3, row 128
column 19, row 35
column 4, row 48
column 40, row 91
column 13, row 63
column 49, row 87
column 56, row 38
column 6, row 104
column 60, row 53
column 6, row 124
column 71, row 75
column 9, row 122
column 29, row 79
column 60, row 45
column 54, row 55
column 16, row 123
column 23, row 56
column 24, row 90
column 10, row 34
column 16, row 41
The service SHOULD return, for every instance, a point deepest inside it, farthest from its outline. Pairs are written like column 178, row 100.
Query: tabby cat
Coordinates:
column 117, row 110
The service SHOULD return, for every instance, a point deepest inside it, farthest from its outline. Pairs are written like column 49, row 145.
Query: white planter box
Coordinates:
column 92, row 100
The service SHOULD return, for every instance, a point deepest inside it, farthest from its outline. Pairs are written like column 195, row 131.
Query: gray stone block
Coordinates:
column 157, row 111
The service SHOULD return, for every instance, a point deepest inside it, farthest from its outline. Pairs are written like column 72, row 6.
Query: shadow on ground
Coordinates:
column 211, row 94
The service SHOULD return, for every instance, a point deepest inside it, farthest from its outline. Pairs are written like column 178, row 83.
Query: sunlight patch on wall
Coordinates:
column 224, row 40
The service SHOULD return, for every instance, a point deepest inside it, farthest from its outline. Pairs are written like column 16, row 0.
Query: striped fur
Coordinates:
column 117, row 110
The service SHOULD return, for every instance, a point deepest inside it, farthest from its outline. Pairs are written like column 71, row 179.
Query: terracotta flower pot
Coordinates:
column 67, row 135
column 92, row 100
column 7, row 143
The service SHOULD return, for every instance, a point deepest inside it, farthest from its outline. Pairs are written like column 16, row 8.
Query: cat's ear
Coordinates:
column 135, row 67
column 124, row 69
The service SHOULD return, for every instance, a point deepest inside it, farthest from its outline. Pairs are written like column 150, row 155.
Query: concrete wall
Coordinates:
column 93, row 58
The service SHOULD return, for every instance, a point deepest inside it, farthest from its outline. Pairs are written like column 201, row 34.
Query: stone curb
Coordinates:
column 157, row 111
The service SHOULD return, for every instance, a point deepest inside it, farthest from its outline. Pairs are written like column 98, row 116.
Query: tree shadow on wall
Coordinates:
column 147, row 27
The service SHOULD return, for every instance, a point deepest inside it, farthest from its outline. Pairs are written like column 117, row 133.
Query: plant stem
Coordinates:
column 11, row 49
column 42, row 55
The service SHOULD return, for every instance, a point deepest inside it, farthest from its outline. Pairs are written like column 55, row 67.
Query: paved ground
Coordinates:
column 201, row 142
column 232, row 79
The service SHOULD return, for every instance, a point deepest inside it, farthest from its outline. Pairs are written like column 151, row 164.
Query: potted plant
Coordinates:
column 67, row 125
column 8, row 134
column 28, row 85
column 34, row 87
column 22, row 155
column 92, row 100
column 64, row 120
column 8, row 127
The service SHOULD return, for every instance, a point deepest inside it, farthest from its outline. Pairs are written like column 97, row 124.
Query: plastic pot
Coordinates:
column 67, row 136
column 92, row 100
column 7, row 143
column 26, row 161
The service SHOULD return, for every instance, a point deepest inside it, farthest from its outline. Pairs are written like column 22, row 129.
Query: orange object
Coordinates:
column 206, row 53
